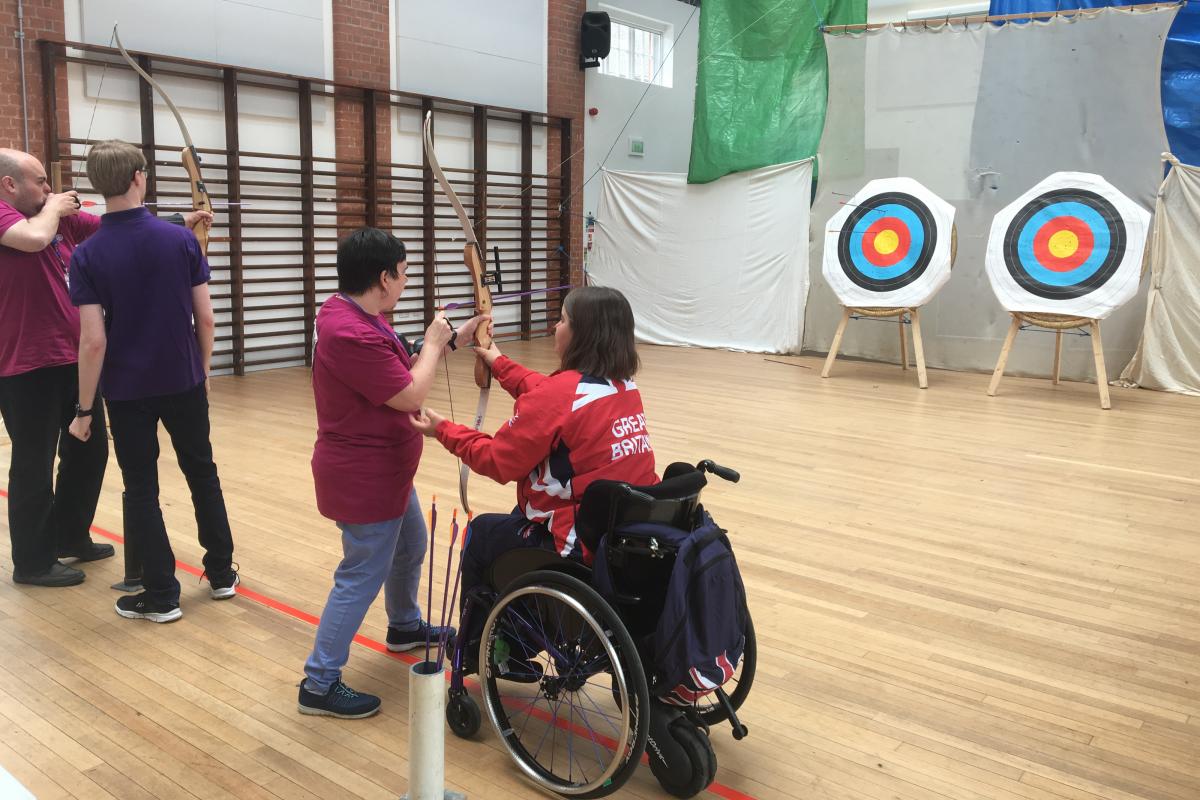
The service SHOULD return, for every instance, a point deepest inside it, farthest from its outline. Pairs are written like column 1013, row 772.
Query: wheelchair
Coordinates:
column 580, row 709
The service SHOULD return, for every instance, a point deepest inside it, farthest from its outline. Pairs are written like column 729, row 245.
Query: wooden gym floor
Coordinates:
column 956, row 597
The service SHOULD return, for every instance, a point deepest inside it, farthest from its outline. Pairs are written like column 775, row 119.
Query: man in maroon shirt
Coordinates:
column 39, row 345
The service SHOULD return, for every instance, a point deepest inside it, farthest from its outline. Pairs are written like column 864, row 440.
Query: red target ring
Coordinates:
column 886, row 242
column 1063, row 244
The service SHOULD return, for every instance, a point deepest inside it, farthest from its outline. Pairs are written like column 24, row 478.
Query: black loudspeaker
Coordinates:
column 595, row 34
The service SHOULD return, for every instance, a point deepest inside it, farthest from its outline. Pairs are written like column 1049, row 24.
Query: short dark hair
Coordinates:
column 362, row 255
column 602, row 338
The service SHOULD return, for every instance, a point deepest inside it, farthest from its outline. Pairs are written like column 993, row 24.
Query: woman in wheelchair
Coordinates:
column 582, row 423
column 559, row 644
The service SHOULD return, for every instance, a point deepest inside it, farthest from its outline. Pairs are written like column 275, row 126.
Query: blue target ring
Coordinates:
column 887, row 242
column 1095, row 244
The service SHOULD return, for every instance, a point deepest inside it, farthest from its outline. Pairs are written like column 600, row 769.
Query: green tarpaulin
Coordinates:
column 762, row 82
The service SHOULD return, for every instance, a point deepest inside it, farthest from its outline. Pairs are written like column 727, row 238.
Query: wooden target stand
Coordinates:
column 883, row 313
column 873, row 312
column 1057, row 323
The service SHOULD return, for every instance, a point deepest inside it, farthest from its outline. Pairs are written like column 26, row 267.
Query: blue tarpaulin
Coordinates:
column 1180, row 67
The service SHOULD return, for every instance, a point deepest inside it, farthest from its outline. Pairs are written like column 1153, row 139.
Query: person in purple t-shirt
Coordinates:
column 39, row 340
column 139, row 282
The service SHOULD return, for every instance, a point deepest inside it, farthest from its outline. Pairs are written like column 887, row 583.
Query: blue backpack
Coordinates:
column 701, row 633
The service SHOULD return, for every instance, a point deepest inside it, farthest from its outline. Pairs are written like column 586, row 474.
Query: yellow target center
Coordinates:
column 1063, row 244
column 886, row 242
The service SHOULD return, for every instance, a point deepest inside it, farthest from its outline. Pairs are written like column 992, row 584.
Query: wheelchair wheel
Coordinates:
column 737, row 687
column 563, row 685
column 462, row 715
column 681, row 756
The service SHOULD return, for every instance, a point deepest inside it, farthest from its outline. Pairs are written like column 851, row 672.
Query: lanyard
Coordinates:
column 58, row 237
column 378, row 323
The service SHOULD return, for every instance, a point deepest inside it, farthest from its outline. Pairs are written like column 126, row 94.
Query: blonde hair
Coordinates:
column 111, row 165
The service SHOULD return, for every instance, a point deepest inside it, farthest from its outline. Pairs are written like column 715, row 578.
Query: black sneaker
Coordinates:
column 399, row 641
column 57, row 575
column 90, row 551
column 340, row 701
column 142, row 606
column 224, row 585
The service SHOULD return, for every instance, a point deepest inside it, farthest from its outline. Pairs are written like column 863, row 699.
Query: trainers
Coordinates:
column 399, row 641
column 142, row 606
column 57, row 575
column 340, row 701
column 89, row 551
column 223, row 586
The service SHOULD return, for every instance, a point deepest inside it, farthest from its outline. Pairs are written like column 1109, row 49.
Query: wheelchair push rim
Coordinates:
column 578, row 728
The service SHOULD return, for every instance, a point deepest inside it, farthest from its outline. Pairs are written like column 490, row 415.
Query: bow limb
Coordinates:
column 473, row 258
column 189, row 156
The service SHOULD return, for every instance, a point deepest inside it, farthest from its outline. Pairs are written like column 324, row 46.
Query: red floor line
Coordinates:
column 720, row 790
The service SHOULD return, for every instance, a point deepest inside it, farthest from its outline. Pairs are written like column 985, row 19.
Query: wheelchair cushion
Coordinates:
column 608, row 504
column 518, row 563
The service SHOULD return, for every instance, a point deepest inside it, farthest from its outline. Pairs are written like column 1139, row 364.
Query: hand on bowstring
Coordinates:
column 439, row 334
column 65, row 204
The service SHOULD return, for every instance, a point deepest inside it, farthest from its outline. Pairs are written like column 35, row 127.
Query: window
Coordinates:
column 636, row 53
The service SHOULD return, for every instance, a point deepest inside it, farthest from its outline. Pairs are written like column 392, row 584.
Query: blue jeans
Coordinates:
column 387, row 554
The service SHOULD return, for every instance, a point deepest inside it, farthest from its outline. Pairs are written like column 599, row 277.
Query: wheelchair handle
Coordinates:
column 708, row 465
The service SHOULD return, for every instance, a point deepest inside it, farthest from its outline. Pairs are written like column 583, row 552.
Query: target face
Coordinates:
column 889, row 246
column 1064, row 243
column 1071, row 245
column 887, row 242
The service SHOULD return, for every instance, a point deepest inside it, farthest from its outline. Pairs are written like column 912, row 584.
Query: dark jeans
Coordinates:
column 135, row 438
column 46, row 517
column 488, row 537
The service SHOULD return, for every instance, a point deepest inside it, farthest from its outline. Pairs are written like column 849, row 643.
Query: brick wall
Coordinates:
column 362, row 56
column 565, row 99
column 43, row 19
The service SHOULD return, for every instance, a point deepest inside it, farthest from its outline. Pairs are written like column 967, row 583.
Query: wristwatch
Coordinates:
column 82, row 412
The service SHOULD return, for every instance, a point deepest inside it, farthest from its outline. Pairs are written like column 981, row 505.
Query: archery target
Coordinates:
column 890, row 246
column 1071, row 245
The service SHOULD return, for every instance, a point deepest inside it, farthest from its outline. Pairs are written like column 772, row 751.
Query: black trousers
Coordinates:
column 45, row 516
column 489, row 536
column 135, row 438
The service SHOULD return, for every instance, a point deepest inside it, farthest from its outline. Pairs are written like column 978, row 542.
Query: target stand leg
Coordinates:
column 1057, row 355
column 919, row 350
column 132, row 582
column 1101, row 373
column 903, row 343
column 837, row 342
column 1004, row 351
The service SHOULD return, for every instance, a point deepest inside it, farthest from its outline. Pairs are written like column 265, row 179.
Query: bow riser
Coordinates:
column 483, row 305
column 200, row 199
